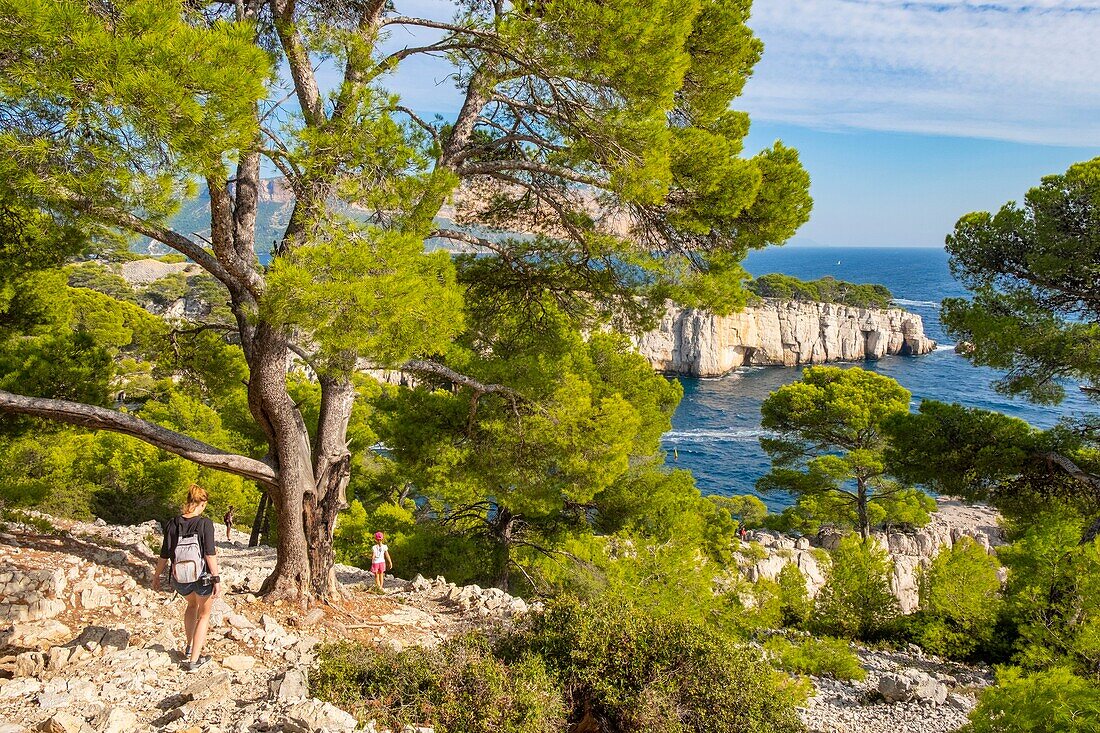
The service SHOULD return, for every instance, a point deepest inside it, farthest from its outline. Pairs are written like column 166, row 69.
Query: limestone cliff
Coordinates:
column 779, row 333
column 909, row 551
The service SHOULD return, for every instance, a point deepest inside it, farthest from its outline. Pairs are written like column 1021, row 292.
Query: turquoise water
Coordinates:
column 716, row 429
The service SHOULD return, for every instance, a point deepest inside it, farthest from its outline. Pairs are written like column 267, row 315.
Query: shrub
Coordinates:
column 856, row 602
column 960, row 600
column 795, row 604
column 629, row 671
column 1055, row 701
column 1053, row 594
column 749, row 510
column 821, row 657
column 457, row 687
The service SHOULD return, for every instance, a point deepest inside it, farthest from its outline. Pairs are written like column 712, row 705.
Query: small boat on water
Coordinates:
column 1090, row 388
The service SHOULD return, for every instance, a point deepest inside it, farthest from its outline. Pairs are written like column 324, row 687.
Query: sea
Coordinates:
column 716, row 429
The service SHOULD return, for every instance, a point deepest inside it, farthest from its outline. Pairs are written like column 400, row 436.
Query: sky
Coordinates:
column 907, row 113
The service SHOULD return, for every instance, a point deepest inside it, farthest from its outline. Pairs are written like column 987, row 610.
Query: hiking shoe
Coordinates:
column 188, row 666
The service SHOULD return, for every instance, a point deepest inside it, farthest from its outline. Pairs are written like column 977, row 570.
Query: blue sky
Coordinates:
column 907, row 113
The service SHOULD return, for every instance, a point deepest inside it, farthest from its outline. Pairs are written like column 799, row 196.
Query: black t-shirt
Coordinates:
column 182, row 526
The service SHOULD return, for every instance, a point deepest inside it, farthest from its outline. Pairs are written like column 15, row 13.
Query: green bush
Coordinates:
column 856, row 602
column 628, row 671
column 825, row 290
column 747, row 509
column 821, row 657
column 1053, row 594
column 457, row 687
column 602, row 665
column 795, row 603
column 1055, row 701
column 960, row 601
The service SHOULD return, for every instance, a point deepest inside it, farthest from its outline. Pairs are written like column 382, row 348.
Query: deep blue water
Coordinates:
column 716, row 429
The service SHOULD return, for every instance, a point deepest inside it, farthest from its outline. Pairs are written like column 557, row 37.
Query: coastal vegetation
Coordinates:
column 604, row 666
column 519, row 444
column 557, row 115
column 824, row 290
column 828, row 450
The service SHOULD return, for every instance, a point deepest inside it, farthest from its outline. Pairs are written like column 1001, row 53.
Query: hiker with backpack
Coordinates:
column 189, row 544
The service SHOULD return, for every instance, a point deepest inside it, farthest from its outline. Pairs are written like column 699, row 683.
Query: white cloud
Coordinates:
column 1023, row 71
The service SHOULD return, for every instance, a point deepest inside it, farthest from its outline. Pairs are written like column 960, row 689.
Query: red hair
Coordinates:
column 195, row 495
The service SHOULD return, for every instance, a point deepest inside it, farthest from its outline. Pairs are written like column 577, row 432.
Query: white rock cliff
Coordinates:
column 779, row 333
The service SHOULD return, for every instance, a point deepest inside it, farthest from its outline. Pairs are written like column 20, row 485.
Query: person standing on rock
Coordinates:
column 229, row 517
column 189, row 544
column 380, row 559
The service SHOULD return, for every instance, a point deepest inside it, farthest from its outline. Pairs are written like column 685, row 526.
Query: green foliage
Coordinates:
column 416, row 546
column 749, row 510
column 1054, row 701
column 149, row 97
column 455, row 687
column 98, row 276
column 1034, row 311
column 822, row 657
column 603, row 663
column 634, row 672
column 987, row 456
column 830, row 449
column 825, row 290
column 588, row 459
column 960, row 601
column 1053, row 593
column 794, row 597
column 367, row 292
column 856, row 602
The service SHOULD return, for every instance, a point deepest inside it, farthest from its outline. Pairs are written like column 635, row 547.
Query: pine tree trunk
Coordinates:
column 861, row 510
column 332, row 469
column 504, row 528
column 258, row 522
column 288, row 441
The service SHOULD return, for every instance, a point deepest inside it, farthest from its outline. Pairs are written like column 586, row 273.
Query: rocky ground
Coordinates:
column 905, row 692
column 86, row 646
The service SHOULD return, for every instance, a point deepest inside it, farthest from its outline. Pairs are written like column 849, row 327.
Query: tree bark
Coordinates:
column 504, row 529
column 271, row 407
column 332, row 469
column 100, row 418
column 861, row 510
column 257, row 523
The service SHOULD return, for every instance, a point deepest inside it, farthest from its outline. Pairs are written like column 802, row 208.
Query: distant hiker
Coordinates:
column 742, row 533
column 229, row 517
column 380, row 559
column 189, row 545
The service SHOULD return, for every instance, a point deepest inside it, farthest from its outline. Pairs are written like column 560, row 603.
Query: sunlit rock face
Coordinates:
column 779, row 333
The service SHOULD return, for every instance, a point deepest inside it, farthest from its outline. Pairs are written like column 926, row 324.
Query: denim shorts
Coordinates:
column 186, row 589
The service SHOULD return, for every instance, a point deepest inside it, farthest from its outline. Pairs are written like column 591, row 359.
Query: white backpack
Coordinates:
column 187, row 561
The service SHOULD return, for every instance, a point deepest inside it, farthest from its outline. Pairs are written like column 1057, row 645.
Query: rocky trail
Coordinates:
column 87, row 647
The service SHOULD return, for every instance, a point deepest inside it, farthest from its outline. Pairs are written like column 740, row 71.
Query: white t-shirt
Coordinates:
column 379, row 552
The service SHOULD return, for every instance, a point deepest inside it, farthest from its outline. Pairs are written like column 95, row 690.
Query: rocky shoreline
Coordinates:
column 774, row 332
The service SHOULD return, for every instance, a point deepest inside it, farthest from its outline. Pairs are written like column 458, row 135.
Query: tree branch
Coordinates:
column 493, row 166
column 431, row 367
column 100, row 418
column 125, row 220
column 420, row 122
column 425, row 23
